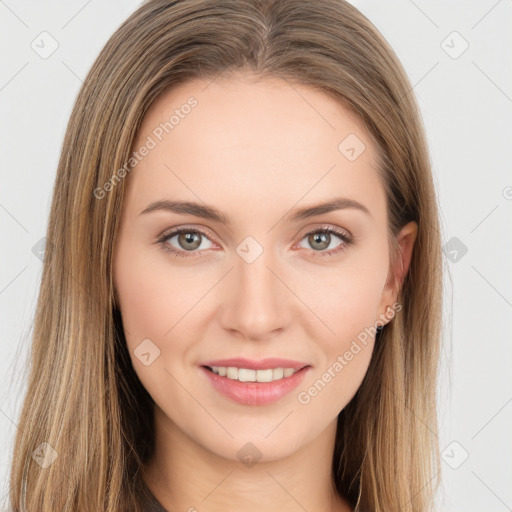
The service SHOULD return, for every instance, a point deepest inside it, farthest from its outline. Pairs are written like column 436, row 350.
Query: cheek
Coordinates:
column 153, row 302
column 345, row 297
column 333, row 385
column 348, row 309
column 152, row 299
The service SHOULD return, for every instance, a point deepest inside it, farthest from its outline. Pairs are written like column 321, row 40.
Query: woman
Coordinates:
column 240, row 306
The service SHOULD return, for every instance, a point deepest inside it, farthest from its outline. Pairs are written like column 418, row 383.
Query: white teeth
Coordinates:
column 232, row 373
column 247, row 375
column 264, row 375
column 277, row 373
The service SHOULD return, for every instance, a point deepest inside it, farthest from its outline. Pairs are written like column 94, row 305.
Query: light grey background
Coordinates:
column 466, row 102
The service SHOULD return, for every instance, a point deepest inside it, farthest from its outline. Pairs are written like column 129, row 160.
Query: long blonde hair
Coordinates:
column 83, row 397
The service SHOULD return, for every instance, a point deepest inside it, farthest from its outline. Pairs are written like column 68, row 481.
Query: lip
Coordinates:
column 255, row 393
column 261, row 364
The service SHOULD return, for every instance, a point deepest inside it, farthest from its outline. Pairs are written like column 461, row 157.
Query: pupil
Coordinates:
column 318, row 237
column 188, row 238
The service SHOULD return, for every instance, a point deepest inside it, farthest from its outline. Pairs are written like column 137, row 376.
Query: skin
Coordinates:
column 254, row 149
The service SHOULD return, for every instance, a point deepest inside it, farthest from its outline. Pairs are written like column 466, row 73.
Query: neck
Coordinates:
column 183, row 475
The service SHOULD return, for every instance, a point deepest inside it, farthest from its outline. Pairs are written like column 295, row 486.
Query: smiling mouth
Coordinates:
column 255, row 386
column 251, row 375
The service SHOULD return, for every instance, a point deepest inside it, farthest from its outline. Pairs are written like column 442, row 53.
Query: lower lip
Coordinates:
column 255, row 393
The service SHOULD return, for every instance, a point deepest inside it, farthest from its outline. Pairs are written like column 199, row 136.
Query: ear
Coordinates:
column 399, row 268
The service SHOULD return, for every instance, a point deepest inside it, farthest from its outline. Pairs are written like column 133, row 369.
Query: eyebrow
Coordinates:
column 211, row 213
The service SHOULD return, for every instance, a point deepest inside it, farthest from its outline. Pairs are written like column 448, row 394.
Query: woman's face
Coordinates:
column 255, row 280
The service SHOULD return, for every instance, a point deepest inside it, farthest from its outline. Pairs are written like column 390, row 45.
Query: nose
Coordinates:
column 256, row 301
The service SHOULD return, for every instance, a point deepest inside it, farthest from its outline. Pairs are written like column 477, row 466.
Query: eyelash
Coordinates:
column 346, row 239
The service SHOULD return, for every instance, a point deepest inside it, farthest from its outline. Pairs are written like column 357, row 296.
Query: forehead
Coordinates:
column 241, row 140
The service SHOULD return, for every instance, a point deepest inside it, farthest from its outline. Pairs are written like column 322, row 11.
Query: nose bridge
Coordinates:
column 257, row 303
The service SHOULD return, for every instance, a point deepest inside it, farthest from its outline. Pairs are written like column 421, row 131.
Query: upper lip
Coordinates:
column 260, row 364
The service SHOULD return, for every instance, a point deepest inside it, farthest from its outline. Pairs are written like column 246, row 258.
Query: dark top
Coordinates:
column 149, row 502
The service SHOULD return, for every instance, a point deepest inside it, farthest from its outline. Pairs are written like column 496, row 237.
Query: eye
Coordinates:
column 188, row 240
column 320, row 239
